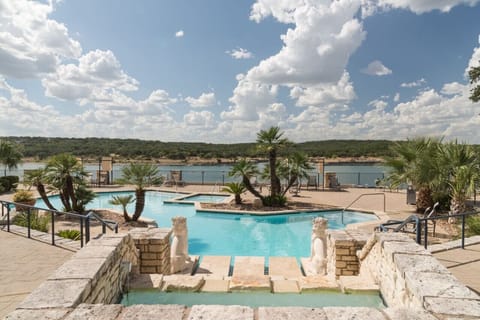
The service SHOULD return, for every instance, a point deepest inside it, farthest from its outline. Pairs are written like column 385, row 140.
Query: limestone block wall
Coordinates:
column 411, row 277
column 154, row 247
column 342, row 247
column 95, row 274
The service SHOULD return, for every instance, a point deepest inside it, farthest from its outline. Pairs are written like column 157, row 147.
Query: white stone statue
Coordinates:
column 318, row 251
column 179, row 258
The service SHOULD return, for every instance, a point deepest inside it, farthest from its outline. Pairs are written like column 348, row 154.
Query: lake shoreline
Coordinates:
column 197, row 161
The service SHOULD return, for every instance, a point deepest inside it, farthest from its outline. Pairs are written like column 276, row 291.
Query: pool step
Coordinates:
column 215, row 266
column 286, row 267
column 249, row 274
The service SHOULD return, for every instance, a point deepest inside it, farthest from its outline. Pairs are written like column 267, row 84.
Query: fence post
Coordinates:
column 203, row 177
column 463, row 231
column 87, row 229
column 426, row 234
column 53, row 227
column 358, row 178
column 28, row 222
column 81, row 232
column 418, row 225
column 8, row 218
column 223, row 178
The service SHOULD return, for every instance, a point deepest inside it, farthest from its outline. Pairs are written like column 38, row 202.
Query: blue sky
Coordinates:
column 221, row 70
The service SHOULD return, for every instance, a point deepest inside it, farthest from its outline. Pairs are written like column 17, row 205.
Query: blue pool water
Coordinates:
column 232, row 234
column 205, row 198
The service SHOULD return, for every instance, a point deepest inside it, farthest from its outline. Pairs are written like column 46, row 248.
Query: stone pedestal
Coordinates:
column 154, row 247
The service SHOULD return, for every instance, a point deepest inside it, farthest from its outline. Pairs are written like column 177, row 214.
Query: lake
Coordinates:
column 347, row 174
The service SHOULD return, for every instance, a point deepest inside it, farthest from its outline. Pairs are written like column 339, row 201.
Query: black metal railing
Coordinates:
column 420, row 225
column 85, row 220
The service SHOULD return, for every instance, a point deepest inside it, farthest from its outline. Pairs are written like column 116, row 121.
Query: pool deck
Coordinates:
column 26, row 263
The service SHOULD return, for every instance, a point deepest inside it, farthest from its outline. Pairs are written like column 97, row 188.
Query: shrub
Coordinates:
column 277, row 201
column 472, row 225
column 69, row 234
column 25, row 197
column 37, row 221
column 9, row 182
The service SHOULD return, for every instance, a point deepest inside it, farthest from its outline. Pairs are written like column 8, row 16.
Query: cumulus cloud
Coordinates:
column 376, row 68
column 97, row 77
column 240, row 53
column 420, row 7
column 179, row 34
column 31, row 44
column 203, row 101
column 396, row 98
column 417, row 83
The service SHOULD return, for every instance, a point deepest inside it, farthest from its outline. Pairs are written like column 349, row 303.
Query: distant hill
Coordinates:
column 40, row 148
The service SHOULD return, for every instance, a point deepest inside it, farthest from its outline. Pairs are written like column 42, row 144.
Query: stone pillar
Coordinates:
column 154, row 247
column 342, row 247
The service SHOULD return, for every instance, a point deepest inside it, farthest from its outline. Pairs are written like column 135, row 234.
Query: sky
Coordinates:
column 219, row 71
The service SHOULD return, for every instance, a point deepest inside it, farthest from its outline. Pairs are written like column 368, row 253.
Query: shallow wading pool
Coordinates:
column 254, row 299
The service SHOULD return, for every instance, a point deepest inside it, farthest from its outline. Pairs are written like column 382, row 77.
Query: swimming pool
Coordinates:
column 212, row 233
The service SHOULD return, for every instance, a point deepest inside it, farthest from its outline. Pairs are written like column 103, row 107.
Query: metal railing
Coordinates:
column 421, row 226
column 85, row 220
column 369, row 194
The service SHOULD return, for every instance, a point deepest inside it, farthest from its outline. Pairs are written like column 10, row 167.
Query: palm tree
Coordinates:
column 36, row 178
column 294, row 168
column 123, row 201
column 246, row 171
column 66, row 175
column 270, row 141
column 10, row 155
column 140, row 175
column 461, row 170
column 236, row 189
column 415, row 162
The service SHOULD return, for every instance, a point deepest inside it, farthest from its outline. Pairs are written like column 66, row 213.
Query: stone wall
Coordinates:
column 409, row 276
column 95, row 274
column 342, row 247
column 154, row 247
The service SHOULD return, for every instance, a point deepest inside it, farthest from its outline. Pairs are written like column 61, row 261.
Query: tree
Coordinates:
column 461, row 170
column 65, row 174
column 10, row 155
column 246, row 171
column 474, row 75
column 270, row 142
column 294, row 168
column 123, row 201
column 37, row 179
column 236, row 189
column 415, row 162
column 140, row 175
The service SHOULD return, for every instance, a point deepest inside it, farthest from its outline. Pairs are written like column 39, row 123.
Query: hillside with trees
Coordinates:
column 40, row 148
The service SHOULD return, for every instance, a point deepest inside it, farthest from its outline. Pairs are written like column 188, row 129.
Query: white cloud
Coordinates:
column 31, row 44
column 376, row 68
column 474, row 60
column 249, row 99
column 422, row 6
column 240, row 53
column 97, row 78
column 179, row 34
column 396, row 98
column 205, row 100
column 414, row 84
column 339, row 93
column 309, row 57
column 205, row 119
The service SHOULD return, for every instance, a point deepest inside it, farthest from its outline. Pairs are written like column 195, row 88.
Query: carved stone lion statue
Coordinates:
column 179, row 258
column 318, row 251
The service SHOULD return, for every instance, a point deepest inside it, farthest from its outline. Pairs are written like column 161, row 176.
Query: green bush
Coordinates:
column 8, row 182
column 277, row 201
column 69, row 234
column 472, row 225
column 37, row 221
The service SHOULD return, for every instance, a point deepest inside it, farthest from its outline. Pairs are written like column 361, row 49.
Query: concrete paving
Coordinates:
column 24, row 265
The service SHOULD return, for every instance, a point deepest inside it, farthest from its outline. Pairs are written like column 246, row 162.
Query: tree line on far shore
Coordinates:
column 41, row 148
